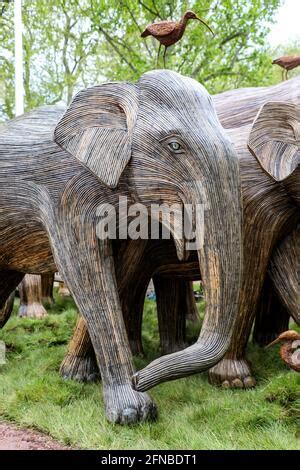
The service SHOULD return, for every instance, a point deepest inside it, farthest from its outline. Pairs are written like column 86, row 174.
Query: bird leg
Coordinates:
column 165, row 52
column 157, row 59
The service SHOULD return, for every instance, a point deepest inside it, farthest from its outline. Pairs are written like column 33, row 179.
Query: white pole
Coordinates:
column 19, row 89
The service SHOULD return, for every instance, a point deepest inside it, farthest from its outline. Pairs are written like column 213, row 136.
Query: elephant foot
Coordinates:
column 6, row 310
column 123, row 405
column 81, row 368
column 34, row 310
column 232, row 373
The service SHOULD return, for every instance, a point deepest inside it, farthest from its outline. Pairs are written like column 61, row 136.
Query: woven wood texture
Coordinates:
column 235, row 107
column 52, row 183
column 285, row 273
column 30, row 290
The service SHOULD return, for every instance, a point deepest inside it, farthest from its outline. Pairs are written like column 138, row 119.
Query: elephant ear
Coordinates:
column 97, row 129
column 275, row 138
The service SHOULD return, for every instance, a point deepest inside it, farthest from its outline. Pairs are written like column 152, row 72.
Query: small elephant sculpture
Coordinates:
column 158, row 140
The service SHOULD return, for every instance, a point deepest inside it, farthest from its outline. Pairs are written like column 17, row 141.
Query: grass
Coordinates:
column 192, row 414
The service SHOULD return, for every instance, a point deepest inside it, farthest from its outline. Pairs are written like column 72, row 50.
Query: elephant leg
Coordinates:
column 80, row 361
column 63, row 290
column 133, row 307
column 133, row 272
column 192, row 313
column 47, row 288
column 234, row 371
column 284, row 273
column 91, row 279
column 271, row 317
column 9, row 281
column 30, row 290
column 170, row 298
column 6, row 309
column 261, row 233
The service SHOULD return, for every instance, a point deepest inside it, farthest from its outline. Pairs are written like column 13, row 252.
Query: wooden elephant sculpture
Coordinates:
column 158, row 140
column 271, row 213
column 35, row 291
column 280, row 294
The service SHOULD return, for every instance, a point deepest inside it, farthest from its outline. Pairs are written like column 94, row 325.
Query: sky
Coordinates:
column 287, row 24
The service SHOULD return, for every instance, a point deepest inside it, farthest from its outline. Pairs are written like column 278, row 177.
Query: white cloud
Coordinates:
column 287, row 24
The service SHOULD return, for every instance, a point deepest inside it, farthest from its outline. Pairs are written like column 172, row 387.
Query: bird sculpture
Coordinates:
column 287, row 63
column 290, row 350
column 170, row 32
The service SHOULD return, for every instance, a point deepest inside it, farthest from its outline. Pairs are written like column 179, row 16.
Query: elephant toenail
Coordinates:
column 129, row 415
column 225, row 384
column 237, row 383
column 249, row 382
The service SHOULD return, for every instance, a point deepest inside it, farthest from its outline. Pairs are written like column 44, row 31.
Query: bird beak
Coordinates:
column 204, row 22
column 276, row 341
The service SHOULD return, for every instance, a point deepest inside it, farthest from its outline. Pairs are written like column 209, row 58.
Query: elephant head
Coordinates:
column 275, row 138
column 161, row 137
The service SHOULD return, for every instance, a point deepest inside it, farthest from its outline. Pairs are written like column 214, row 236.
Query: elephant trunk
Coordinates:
column 220, row 260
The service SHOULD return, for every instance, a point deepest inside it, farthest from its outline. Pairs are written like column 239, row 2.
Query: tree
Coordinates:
column 6, row 61
column 59, row 52
column 236, row 56
column 72, row 44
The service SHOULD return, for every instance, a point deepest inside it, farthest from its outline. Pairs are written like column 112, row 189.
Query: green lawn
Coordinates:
column 192, row 414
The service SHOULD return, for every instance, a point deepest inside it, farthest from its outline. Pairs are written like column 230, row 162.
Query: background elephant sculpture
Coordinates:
column 32, row 296
column 150, row 141
column 175, row 302
column 270, row 232
column 35, row 292
column 284, row 272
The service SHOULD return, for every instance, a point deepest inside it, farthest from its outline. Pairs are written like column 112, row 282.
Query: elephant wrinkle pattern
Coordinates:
column 57, row 166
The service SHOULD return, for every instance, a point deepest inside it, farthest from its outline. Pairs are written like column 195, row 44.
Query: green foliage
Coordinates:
column 236, row 56
column 76, row 43
column 192, row 414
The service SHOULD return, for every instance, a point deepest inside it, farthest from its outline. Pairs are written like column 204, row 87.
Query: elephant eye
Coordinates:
column 175, row 146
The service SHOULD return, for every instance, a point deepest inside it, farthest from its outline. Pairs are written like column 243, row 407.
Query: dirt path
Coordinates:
column 15, row 438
